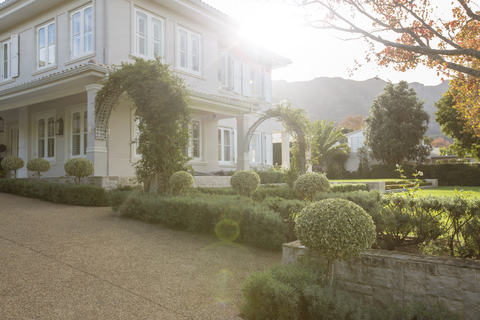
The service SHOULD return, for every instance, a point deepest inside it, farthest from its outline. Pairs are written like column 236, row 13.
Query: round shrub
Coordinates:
column 245, row 182
column 309, row 184
column 180, row 180
column 12, row 163
column 38, row 165
column 78, row 167
column 335, row 229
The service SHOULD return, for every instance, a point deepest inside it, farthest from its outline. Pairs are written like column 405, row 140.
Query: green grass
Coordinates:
column 365, row 180
column 449, row 191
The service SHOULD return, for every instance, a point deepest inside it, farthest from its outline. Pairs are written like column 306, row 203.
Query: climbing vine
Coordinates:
column 160, row 102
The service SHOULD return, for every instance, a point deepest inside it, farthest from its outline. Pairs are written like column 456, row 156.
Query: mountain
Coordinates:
column 336, row 98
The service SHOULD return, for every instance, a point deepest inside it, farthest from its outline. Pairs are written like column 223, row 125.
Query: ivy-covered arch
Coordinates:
column 295, row 121
column 160, row 102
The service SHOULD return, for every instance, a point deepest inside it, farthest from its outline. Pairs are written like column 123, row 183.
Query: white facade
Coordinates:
column 55, row 54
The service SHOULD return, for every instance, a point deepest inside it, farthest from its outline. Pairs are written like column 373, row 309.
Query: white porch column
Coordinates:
column 23, row 140
column 243, row 160
column 285, row 150
column 96, row 149
column 210, row 150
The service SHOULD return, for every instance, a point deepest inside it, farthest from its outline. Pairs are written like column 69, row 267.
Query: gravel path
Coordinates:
column 67, row 262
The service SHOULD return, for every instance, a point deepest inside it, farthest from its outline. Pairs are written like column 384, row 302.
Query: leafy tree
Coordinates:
column 465, row 142
column 160, row 100
column 414, row 33
column 352, row 122
column 327, row 141
column 396, row 125
column 440, row 143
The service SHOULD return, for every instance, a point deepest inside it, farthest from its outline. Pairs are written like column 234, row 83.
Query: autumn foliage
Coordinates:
column 440, row 143
column 442, row 35
column 352, row 122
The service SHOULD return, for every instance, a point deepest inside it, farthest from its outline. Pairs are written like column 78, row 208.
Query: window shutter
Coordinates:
column 234, row 142
column 269, row 148
column 141, row 34
column 237, row 76
column 15, row 56
column 246, row 78
column 195, row 47
column 257, row 81
column 268, row 86
column 157, row 35
column 183, row 48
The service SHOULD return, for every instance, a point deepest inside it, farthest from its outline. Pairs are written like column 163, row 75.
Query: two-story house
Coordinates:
column 55, row 53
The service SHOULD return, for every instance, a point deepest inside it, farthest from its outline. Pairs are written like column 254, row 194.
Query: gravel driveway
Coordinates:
column 67, row 262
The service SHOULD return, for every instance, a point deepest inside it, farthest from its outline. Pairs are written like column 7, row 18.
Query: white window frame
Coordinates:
column 45, row 116
column 257, row 149
column 189, row 54
column 149, row 35
column 83, row 132
column 221, row 145
column 199, row 139
column 46, row 27
column 82, row 31
column 135, row 134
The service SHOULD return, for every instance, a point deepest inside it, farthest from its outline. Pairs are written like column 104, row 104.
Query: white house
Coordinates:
column 55, row 53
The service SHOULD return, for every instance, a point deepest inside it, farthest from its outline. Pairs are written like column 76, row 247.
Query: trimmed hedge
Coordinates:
column 447, row 174
column 370, row 201
column 77, row 195
column 271, row 176
column 258, row 225
column 348, row 187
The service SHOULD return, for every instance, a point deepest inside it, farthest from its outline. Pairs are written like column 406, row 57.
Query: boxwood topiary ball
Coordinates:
column 38, row 165
column 12, row 163
column 335, row 229
column 180, row 180
column 245, row 182
column 79, row 167
column 309, row 184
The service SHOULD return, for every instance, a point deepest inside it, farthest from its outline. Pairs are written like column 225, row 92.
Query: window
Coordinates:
column 79, row 133
column 189, row 49
column 46, row 45
column 149, row 35
column 46, row 137
column 225, row 139
column 82, row 31
column 223, row 72
column 135, row 136
column 9, row 58
column 196, row 140
column 256, row 147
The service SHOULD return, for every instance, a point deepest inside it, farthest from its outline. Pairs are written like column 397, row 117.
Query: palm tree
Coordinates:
column 328, row 143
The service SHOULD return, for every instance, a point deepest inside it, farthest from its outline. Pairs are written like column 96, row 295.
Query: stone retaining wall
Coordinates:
column 381, row 276
column 211, row 181
column 105, row 182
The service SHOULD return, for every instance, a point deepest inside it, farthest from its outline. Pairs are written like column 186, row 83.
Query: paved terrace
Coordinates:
column 67, row 262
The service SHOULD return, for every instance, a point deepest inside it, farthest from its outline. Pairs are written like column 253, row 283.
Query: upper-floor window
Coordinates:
column 149, row 35
column 243, row 78
column 82, row 31
column 46, row 45
column 189, row 51
column 9, row 58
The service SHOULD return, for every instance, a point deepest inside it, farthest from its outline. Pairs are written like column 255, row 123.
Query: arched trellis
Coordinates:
column 103, row 114
column 293, row 120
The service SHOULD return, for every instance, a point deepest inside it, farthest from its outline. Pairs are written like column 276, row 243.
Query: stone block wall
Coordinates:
column 211, row 182
column 381, row 276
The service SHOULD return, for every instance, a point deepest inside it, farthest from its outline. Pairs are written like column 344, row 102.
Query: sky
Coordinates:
column 314, row 53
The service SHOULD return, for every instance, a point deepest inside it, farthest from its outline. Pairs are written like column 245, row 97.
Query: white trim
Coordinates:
column 221, row 146
column 149, row 34
column 82, row 32
column 46, row 26
column 8, row 60
column 45, row 115
column 68, row 130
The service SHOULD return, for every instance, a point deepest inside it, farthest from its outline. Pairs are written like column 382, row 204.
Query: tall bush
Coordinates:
column 335, row 229
column 309, row 184
column 38, row 166
column 180, row 180
column 79, row 168
column 12, row 163
column 245, row 182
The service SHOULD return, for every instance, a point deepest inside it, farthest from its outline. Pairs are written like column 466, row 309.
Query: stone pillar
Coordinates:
column 23, row 140
column 96, row 149
column 243, row 160
column 285, row 150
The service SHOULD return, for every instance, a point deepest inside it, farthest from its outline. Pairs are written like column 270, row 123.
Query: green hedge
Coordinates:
column 348, row 187
column 370, row 201
column 447, row 174
column 258, row 225
column 78, row 195
column 296, row 291
column 271, row 176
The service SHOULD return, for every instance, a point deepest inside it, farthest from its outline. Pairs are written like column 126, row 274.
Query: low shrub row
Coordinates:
column 296, row 291
column 447, row 174
column 77, row 195
column 223, row 216
column 271, row 176
column 348, row 187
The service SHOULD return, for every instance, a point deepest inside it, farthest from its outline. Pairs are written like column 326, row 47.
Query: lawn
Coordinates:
column 364, row 180
column 450, row 191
